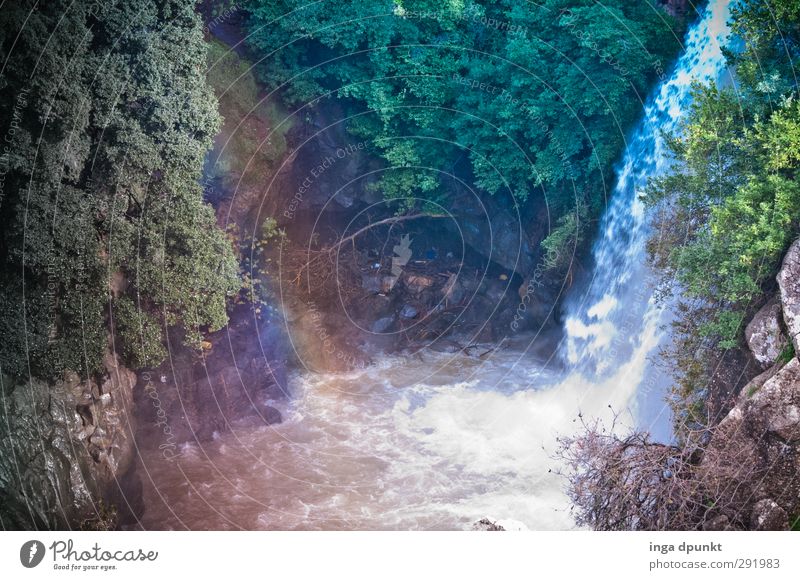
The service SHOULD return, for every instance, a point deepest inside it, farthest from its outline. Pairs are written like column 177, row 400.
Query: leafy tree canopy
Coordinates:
column 538, row 96
column 109, row 122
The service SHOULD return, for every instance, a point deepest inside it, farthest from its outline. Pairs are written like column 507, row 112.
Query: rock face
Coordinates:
column 492, row 231
column 66, row 451
column 789, row 284
column 189, row 399
column 764, row 334
column 753, row 459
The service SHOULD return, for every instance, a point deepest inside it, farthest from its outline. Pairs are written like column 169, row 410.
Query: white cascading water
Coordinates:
column 438, row 441
column 597, row 331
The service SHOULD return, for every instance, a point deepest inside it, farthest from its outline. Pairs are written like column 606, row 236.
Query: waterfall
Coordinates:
column 616, row 319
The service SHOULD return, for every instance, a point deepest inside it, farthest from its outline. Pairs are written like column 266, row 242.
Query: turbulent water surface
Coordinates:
column 437, row 441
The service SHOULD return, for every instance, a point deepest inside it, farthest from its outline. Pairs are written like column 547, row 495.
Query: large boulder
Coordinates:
column 789, row 283
column 764, row 334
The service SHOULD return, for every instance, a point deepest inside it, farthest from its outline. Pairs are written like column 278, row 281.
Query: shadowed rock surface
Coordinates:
column 66, row 451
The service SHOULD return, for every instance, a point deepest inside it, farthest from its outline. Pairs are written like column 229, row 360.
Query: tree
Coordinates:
column 536, row 96
column 102, row 198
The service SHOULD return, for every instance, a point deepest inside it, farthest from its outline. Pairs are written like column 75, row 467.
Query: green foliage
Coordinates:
column 731, row 208
column 744, row 202
column 139, row 333
column 537, row 96
column 110, row 132
column 561, row 244
column 786, row 355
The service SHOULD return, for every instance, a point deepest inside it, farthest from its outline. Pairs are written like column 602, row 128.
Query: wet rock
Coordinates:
column 768, row 515
column 764, row 334
column 382, row 324
column 408, row 311
column 63, row 453
column 789, row 284
column 487, row 525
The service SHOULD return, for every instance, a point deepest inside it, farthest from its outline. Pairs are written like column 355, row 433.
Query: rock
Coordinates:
column 491, row 230
column 754, row 453
column 387, row 283
column 271, row 415
column 408, row 311
column 768, row 515
column 764, row 334
column 100, row 439
column 757, row 382
column 372, row 283
column 487, row 525
column 778, row 402
column 789, row 284
column 73, row 439
column 718, row 524
column 453, row 291
column 382, row 324
column 416, row 283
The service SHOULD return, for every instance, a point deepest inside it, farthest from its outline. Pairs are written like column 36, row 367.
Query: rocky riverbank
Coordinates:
column 753, row 459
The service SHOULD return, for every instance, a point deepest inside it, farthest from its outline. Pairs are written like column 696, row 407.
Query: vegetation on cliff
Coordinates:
column 111, row 119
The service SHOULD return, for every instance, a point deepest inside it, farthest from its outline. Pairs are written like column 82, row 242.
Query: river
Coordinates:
column 438, row 441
